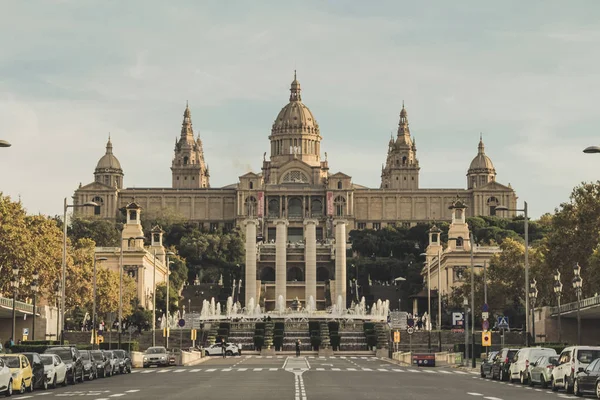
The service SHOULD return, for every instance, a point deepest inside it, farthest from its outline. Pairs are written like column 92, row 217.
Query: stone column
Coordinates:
column 281, row 259
column 250, row 275
column 310, row 260
column 340, row 260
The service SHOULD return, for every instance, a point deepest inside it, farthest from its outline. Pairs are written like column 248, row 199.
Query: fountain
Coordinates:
column 250, row 306
column 163, row 322
column 229, row 306
column 280, row 304
column 213, row 307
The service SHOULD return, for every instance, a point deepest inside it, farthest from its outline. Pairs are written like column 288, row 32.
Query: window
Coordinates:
column 459, row 273
column 295, row 177
column 273, row 208
column 295, row 207
column 492, row 203
column 339, row 184
column 413, row 178
column 214, row 226
column 404, row 178
column 316, row 207
column 185, row 160
column 340, row 206
column 228, row 226
column 376, row 226
column 177, row 178
column 251, row 185
column 404, row 160
column 132, row 215
column 362, row 225
column 98, row 200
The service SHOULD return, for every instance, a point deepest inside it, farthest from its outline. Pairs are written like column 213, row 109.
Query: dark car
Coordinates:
column 587, row 380
column 103, row 367
column 90, row 368
column 72, row 359
column 486, row 365
column 123, row 361
column 37, row 369
column 501, row 364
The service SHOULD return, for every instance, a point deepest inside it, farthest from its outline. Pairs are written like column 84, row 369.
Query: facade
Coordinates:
column 146, row 265
column 454, row 261
column 295, row 196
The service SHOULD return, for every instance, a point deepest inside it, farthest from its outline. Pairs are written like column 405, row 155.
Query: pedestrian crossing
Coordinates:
column 367, row 358
column 318, row 369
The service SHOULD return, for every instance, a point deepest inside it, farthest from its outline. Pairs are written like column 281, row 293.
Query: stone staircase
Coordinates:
column 382, row 332
column 242, row 334
column 296, row 331
column 325, row 341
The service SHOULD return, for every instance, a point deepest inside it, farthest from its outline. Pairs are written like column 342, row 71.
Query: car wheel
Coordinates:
column 543, row 383
column 64, row 382
column 501, row 375
column 576, row 390
column 22, row 390
column 73, row 380
column 82, row 377
column 553, row 385
column 30, row 388
column 129, row 369
column 229, row 353
column 206, row 353
column 598, row 389
column 9, row 389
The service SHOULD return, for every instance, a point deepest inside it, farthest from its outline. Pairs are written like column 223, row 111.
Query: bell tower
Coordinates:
column 188, row 168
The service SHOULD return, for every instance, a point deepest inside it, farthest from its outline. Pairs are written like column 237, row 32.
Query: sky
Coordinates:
column 524, row 74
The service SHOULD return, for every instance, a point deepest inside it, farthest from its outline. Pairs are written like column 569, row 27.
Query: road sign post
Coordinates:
column 181, row 324
column 396, row 336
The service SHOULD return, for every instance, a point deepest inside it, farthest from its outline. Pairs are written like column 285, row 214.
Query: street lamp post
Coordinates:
column 64, row 261
column 94, row 337
column 577, row 285
column 169, row 253
column 558, row 291
column 15, row 285
column 154, row 301
column 466, row 326
column 57, row 292
column 34, row 289
column 533, row 293
column 526, row 223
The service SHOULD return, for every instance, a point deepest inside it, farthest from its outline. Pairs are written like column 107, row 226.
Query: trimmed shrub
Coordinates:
column 280, row 325
column 278, row 332
column 40, row 342
column 371, row 341
column 223, row 332
column 315, row 333
column 278, row 342
column 313, row 326
column 335, row 341
column 334, row 326
column 259, row 332
column 368, row 325
column 315, row 342
column 260, row 325
column 259, row 341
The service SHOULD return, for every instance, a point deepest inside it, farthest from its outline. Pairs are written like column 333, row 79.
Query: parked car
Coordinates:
column 501, row 364
column 124, row 361
column 55, row 370
column 155, row 356
column 103, row 366
column 6, row 382
column 217, row 350
column 21, row 372
column 110, row 356
column 72, row 359
column 540, row 371
column 37, row 369
column 570, row 361
column 486, row 365
column 519, row 368
column 89, row 366
column 587, row 380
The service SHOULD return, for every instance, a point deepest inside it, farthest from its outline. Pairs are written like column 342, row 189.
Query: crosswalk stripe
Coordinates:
column 445, row 372
column 179, row 370
column 257, row 369
column 397, row 370
column 351, row 369
column 273, row 369
column 320, row 369
column 430, row 371
column 335, row 369
column 162, row 371
column 226, row 369
column 367, row 369
column 148, row 372
column 413, row 370
column 195, row 370
column 382, row 369
column 242, row 369
column 211, row 370
column 460, row 372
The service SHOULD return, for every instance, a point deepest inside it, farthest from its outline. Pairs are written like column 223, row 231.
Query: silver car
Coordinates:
column 540, row 371
column 156, row 356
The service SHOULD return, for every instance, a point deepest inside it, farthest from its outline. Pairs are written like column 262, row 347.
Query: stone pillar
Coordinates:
column 250, row 275
column 281, row 259
column 310, row 260
column 340, row 260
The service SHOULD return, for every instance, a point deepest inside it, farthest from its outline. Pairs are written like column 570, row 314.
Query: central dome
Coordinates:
column 481, row 163
column 108, row 160
column 295, row 117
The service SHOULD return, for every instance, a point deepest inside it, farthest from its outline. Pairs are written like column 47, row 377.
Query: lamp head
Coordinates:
column 101, row 259
column 170, row 253
column 577, row 270
column 90, row 204
column 592, row 149
column 4, row 143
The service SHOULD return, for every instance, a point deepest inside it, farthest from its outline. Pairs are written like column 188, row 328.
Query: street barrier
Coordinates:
column 424, row 360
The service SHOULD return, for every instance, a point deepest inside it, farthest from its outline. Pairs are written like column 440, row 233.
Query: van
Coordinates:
column 519, row 369
column 570, row 361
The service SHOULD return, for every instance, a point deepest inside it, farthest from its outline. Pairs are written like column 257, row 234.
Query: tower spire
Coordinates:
column 480, row 147
column 295, row 89
column 109, row 146
column 186, row 126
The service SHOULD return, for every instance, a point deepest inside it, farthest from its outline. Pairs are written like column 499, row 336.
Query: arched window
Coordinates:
column 185, row 160
column 316, row 207
column 459, row 242
column 251, row 185
column 492, row 203
column 250, row 206
column 340, row 206
column 295, row 207
column 295, row 177
column 339, row 184
column 273, row 208
column 404, row 160
column 98, row 200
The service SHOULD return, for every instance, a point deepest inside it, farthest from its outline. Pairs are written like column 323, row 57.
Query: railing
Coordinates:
column 21, row 306
column 585, row 303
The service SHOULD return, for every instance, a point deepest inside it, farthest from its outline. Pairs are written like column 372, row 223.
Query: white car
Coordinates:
column 217, row 350
column 571, row 360
column 519, row 368
column 6, row 385
column 54, row 369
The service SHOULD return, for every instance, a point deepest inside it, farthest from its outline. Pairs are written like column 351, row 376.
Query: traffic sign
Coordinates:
column 396, row 336
column 181, row 323
column 166, row 332
column 485, row 325
column 410, row 330
column 503, row 322
column 410, row 322
column 485, row 315
column 485, row 308
column 486, row 339
column 25, row 331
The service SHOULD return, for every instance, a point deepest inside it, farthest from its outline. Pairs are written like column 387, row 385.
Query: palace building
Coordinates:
column 295, row 201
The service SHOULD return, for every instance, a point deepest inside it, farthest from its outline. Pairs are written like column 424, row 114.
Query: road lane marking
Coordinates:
column 382, row 369
column 226, row 369
column 397, row 370
column 445, row 372
column 117, row 395
column 460, row 372
column 413, row 370
column 211, row 370
column 195, row 369
column 257, row 369
column 430, row 371
column 132, row 391
column 351, row 369
column 242, row 369
column 148, row 372
column 474, row 394
column 179, row 370
column 367, row 369
column 492, row 398
column 162, row 371
column 273, row 369
column 320, row 369
column 335, row 369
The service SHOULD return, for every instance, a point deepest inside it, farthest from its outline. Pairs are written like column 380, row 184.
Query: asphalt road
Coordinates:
column 303, row 378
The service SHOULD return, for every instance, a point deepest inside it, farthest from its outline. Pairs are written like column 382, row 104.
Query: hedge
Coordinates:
column 371, row 340
column 278, row 332
column 259, row 341
column 259, row 332
column 223, row 332
column 278, row 342
column 335, row 341
column 40, row 342
column 225, row 325
column 279, row 325
column 135, row 346
column 334, row 326
column 315, row 342
column 260, row 325
column 368, row 325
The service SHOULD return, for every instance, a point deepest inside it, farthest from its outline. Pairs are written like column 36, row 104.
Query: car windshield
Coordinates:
column 156, row 350
column 64, row 354
column 587, row 356
column 97, row 356
column 553, row 360
column 511, row 354
column 85, row 355
column 12, row 362
column 119, row 353
column 47, row 360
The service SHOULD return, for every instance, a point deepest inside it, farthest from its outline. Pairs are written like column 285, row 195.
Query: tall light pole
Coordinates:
column 558, row 291
column 34, row 289
column 15, row 286
column 4, row 143
column 526, row 222
column 472, row 243
column 169, row 253
column 121, row 266
column 577, row 285
column 466, row 326
column 533, row 293
column 64, row 262
column 94, row 303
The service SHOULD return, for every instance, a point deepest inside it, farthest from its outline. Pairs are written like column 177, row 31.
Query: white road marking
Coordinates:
column 351, row 369
column 367, row 369
column 413, row 370
column 335, row 369
column 382, row 369
column 460, row 372
column 179, row 370
column 195, row 369
column 242, row 369
column 162, row 371
column 273, row 369
column 445, row 372
column 269, row 356
column 211, row 370
column 257, row 369
column 117, row 395
column 430, row 371
column 397, row 370
column 474, row 394
column 226, row 369
column 492, row 398
column 148, row 372
column 132, row 391
column 320, row 369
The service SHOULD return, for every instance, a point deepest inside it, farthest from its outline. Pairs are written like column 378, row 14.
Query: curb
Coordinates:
column 196, row 362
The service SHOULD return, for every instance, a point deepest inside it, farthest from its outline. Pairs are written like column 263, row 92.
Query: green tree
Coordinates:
column 103, row 232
